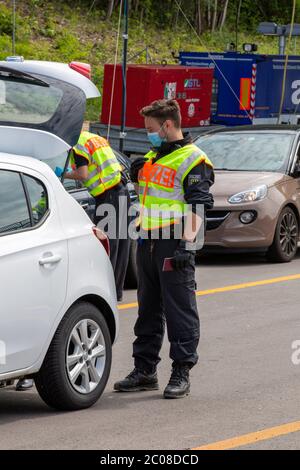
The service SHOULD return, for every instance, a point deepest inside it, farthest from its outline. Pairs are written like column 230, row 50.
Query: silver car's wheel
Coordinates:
column 85, row 356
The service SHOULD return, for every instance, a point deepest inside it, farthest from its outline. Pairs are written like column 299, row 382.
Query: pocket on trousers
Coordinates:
column 184, row 276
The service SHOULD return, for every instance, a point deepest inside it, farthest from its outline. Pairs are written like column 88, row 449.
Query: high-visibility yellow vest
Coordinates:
column 161, row 190
column 103, row 166
column 40, row 208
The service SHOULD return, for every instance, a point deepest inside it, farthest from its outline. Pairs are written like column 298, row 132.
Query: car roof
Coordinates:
column 57, row 71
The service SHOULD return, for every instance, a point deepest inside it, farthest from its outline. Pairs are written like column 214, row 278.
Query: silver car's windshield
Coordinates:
column 249, row 151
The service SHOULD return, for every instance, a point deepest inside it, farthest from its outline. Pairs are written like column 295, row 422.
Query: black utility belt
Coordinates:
column 159, row 234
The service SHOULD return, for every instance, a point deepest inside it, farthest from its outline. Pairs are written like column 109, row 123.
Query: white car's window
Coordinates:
column 38, row 200
column 60, row 161
column 14, row 213
column 23, row 202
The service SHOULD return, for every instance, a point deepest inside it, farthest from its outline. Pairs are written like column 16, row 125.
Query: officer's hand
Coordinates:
column 182, row 257
column 58, row 171
column 136, row 166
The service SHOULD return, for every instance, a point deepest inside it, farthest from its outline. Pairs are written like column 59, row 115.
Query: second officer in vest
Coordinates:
column 96, row 166
column 174, row 172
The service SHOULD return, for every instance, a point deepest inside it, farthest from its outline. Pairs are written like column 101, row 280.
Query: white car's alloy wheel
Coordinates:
column 77, row 365
column 85, row 356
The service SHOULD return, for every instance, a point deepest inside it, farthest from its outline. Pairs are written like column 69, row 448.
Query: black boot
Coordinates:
column 137, row 381
column 179, row 384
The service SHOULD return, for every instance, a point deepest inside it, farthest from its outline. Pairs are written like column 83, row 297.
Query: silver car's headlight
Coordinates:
column 255, row 194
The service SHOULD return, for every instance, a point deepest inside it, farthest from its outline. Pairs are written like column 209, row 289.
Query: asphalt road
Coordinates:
column 245, row 389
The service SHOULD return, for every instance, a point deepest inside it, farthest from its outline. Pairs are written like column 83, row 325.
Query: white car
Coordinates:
column 58, row 307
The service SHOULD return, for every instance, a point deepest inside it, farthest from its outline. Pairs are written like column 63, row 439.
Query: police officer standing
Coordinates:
column 174, row 171
column 96, row 166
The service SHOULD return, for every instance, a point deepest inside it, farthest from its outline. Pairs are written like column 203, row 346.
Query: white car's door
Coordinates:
column 33, row 266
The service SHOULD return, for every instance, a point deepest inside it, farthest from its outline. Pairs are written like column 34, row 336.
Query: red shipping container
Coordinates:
column 190, row 86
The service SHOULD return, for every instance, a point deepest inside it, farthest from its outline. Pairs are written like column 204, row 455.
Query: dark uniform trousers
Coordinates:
column 164, row 297
column 119, row 198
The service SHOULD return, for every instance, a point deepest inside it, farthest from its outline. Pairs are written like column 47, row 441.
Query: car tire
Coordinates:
column 54, row 380
column 131, row 274
column 284, row 246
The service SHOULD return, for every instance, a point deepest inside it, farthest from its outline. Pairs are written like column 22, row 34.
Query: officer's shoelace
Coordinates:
column 133, row 374
column 136, row 372
column 178, row 374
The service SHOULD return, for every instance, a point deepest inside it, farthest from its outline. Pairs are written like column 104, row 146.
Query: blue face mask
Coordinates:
column 155, row 138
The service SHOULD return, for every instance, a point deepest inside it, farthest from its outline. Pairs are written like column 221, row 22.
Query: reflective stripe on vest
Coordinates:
column 104, row 170
column 161, row 189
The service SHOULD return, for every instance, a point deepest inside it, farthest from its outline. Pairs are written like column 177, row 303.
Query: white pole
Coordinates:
column 14, row 28
column 281, row 45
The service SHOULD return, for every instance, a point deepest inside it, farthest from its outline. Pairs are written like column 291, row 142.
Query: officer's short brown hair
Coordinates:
column 163, row 110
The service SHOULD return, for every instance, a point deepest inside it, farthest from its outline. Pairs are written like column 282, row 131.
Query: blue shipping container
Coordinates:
column 249, row 86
